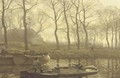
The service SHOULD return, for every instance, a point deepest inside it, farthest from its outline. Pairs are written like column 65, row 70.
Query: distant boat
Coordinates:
column 21, row 59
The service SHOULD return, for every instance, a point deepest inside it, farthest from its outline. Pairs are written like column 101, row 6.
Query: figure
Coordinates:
column 45, row 58
column 32, row 52
column 37, row 66
column 2, row 49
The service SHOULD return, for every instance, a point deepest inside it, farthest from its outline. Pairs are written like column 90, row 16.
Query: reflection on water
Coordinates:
column 13, row 71
column 65, row 62
column 8, row 75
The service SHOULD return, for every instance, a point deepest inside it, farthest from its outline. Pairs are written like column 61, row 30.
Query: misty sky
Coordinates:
column 110, row 2
column 49, row 36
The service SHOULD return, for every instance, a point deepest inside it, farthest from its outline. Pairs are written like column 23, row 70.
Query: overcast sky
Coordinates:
column 104, row 3
column 110, row 2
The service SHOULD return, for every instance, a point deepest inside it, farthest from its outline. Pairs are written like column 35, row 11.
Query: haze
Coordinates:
column 41, row 19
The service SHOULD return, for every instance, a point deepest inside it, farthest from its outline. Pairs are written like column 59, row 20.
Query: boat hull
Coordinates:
column 25, row 74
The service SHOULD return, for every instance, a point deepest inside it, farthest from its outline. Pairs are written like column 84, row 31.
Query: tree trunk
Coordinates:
column 107, row 39
column 85, row 29
column 112, row 38
column 56, row 27
column 68, row 32
column 25, row 26
column 112, row 70
column 77, row 29
column 94, row 40
column 3, row 24
column 119, row 39
column 56, row 36
column 108, row 68
column 116, row 38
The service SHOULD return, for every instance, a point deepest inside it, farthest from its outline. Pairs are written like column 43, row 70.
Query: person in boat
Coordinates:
column 32, row 52
column 37, row 67
column 44, row 60
column 2, row 49
column 79, row 66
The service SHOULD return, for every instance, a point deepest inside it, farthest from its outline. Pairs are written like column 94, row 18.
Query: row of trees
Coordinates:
column 76, row 14
column 80, row 20
column 109, row 19
column 9, row 7
column 88, row 23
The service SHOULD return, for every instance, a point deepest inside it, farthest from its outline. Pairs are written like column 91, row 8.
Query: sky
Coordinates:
column 49, row 36
column 104, row 3
column 110, row 3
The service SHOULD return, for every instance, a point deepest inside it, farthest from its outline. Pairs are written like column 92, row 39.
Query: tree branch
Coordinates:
column 89, row 23
column 32, row 6
column 7, row 7
column 68, row 7
column 41, row 20
column 59, row 10
column 59, row 15
column 80, row 20
column 51, row 17
column 72, row 18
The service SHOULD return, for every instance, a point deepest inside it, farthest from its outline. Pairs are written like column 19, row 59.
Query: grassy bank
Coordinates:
column 74, row 54
column 97, row 52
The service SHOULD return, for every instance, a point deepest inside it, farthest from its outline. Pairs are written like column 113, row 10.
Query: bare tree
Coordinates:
column 65, row 9
column 109, row 21
column 106, row 30
column 76, row 22
column 116, row 24
column 9, row 20
column 94, row 32
column 25, row 10
column 5, row 6
column 86, row 6
column 19, row 18
column 57, row 14
column 41, row 20
column 116, row 31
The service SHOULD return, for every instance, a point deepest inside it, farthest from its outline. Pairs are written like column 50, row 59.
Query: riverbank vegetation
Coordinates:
column 63, row 53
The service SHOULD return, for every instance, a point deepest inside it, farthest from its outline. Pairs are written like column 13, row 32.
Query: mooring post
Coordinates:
column 112, row 61
column 58, row 61
column 69, row 62
column 116, row 62
column 86, row 61
column 78, row 61
column 108, row 67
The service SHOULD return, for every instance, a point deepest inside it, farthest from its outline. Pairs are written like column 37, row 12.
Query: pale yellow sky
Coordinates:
column 111, row 3
column 103, row 3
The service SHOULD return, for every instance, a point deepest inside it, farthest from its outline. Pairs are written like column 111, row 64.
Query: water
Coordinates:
column 65, row 62
column 101, row 64
column 13, row 71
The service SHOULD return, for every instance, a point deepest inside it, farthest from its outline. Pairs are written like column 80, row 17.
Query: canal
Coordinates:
column 107, row 67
